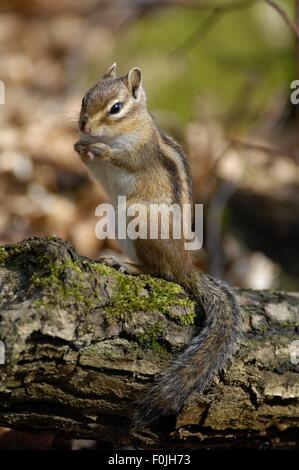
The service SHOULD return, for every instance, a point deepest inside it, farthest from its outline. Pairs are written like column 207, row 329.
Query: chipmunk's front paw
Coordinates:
column 100, row 150
column 82, row 148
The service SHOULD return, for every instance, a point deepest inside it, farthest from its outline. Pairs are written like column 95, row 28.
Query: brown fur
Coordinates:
column 158, row 172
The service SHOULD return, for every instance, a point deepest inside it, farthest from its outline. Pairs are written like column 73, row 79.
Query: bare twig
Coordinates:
column 294, row 27
column 188, row 4
column 197, row 35
column 297, row 52
column 297, row 37
column 210, row 21
column 291, row 24
column 264, row 148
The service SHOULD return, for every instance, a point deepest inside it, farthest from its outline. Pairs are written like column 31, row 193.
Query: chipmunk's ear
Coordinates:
column 111, row 71
column 134, row 79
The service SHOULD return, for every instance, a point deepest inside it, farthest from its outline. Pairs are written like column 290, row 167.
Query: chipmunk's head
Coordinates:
column 113, row 106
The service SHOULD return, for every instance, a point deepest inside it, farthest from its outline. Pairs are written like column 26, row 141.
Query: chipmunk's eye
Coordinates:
column 116, row 108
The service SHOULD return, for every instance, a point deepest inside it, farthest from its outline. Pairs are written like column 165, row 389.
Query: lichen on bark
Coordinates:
column 84, row 340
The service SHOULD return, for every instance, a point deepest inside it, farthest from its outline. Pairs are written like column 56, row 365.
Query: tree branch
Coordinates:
column 290, row 23
column 82, row 341
column 264, row 148
column 203, row 29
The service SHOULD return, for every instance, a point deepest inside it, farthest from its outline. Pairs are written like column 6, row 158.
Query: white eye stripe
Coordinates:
column 106, row 112
column 124, row 108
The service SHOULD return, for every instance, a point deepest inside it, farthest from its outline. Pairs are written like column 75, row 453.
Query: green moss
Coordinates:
column 15, row 250
column 150, row 338
column 60, row 281
column 103, row 269
column 145, row 293
column 63, row 288
column 63, row 282
column 9, row 253
column 52, row 238
column 3, row 255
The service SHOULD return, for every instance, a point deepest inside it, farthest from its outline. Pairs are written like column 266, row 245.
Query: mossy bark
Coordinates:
column 83, row 341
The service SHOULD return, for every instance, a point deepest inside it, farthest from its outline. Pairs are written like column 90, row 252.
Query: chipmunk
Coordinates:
column 127, row 153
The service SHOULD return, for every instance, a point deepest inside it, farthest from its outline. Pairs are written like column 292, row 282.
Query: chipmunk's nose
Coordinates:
column 84, row 126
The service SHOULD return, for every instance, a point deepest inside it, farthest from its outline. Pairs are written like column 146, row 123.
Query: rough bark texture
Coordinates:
column 82, row 341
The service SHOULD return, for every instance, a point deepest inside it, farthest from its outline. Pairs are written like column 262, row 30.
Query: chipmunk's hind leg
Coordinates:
column 121, row 265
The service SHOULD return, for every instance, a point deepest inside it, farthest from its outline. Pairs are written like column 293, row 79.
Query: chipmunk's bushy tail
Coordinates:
column 207, row 353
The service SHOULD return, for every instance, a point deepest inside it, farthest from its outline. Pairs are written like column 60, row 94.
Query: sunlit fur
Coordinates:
column 99, row 100
column 142, row 163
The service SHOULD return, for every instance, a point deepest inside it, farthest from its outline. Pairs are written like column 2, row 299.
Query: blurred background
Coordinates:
column 217, row 75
